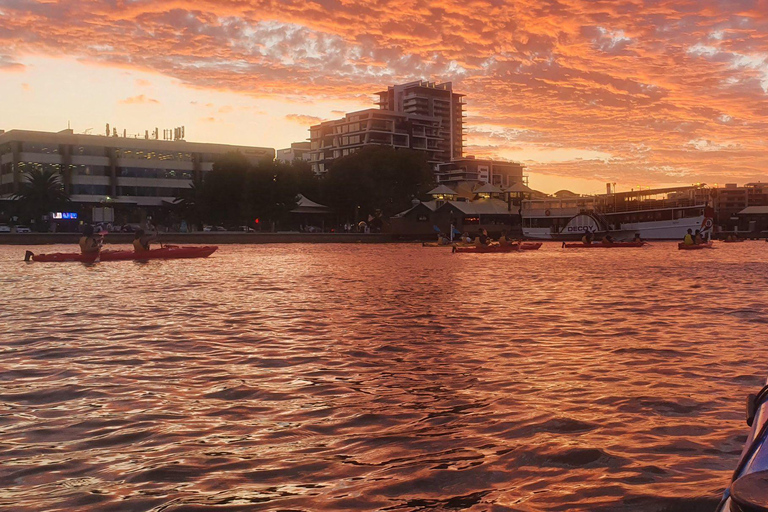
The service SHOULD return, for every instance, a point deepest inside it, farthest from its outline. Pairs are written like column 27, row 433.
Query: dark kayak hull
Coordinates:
column 164, row 253
column 748, row 489
column 499, row 248
column 600, row 245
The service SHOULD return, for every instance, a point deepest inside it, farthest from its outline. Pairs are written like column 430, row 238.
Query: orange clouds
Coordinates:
column 137, row 100
column 303, row 119
column 642, row 81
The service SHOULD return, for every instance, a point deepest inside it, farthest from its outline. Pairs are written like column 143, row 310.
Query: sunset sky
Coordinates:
column 637, row 92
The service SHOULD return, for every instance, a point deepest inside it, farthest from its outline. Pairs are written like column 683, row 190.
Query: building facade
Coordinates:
column 428, row 99
column 334, row 139
column 495, row 172
column 95, row 169
column 732, row 199
column 297, row 151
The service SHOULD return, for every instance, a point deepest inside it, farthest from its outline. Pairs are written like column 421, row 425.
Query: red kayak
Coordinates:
column 169, row 252
column 613, row 245
column 530, row 246
column 681, row 246
column 734, row 241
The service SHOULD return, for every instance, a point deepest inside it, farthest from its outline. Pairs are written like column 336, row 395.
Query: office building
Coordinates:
column 119, row 170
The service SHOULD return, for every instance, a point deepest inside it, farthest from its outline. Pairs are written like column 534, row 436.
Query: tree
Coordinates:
column 236, row 192
column 42, row 193
column 376, row 178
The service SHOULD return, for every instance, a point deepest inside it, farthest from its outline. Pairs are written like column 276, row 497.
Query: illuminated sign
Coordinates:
column 65, row 215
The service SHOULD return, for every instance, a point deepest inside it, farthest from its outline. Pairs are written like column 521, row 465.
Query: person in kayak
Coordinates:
column 141, row 240
column 504, row 239
column 608, row 240
column 89, row 244
column 697, row 239
column 482, row 238
column 688, row 238
column 588, row 237
column 637, row 238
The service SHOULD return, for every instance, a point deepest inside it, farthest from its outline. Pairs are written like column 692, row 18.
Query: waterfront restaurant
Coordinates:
column 487, row 207
column 135, row 176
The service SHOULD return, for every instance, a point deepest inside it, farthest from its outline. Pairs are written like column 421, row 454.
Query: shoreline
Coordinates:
column 205, row 238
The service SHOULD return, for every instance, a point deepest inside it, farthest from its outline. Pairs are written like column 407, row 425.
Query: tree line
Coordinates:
column 376, row 180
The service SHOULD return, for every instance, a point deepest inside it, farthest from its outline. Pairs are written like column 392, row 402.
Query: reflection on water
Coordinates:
column 359, row 377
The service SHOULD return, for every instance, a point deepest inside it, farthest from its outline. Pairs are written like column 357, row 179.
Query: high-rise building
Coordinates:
column 429, row 99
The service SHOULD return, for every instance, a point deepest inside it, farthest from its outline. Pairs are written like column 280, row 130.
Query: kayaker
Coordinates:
column 89, row 244
column 504, row 239
column 587, row 238
column 466, row 237
column 608, row 239
column 482, row 238
column 697, row 240
column 141, row 240
column 637, row 238
column 688, row 238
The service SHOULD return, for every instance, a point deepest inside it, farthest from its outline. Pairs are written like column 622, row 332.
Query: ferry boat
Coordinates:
column 656, row 214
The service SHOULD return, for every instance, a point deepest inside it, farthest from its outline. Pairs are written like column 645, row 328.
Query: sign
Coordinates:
column 64, row 215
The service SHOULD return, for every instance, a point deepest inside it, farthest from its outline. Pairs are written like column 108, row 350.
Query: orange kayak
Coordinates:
column 681, row 246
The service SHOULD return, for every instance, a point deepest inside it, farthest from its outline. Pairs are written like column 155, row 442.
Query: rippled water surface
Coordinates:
column 379, row 377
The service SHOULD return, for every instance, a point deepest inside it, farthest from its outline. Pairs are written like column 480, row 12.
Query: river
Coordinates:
column 379, row 377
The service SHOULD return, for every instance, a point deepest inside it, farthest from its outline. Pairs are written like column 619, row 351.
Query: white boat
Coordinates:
column 654, row 214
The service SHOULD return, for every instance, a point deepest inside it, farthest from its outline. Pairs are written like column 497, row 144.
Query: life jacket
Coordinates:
column 138, row 246
column 88, row 245
column 688, row 239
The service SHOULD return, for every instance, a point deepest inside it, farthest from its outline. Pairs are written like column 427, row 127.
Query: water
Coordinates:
column 379, row 377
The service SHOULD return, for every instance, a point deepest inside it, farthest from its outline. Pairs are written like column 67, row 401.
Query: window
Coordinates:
column 141, row 172
column 90, row 190
column 36, row 147
column 90, row 170
column 89, row 151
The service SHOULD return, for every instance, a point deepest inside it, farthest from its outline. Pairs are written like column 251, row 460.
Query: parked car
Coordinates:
column 23, row 229
column 219, row 228
column 246, row 229
column 4, row 228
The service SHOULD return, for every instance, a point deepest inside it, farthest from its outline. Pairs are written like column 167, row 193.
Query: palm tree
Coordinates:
column 42, row 193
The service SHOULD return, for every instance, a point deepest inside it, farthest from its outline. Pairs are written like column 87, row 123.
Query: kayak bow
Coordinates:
column 163, row 253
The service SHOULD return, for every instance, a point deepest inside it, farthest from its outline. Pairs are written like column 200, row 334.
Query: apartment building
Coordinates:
column 121, row 170
column 470, row 169
column 429, row 99
column 732, row 199
column 334, row 139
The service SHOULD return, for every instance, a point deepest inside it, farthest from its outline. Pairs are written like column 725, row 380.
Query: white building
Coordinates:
column 119, row 170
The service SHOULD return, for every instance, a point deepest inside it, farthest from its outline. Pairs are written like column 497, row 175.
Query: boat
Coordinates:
column 168, row 252
column 453, row 244
column 708, row 245
column 653, row 214
column 734, row 241
column 613, row 245
column 499, row 248
column 748, row 490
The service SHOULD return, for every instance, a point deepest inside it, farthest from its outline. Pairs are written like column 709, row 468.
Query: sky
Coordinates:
column 639, row 93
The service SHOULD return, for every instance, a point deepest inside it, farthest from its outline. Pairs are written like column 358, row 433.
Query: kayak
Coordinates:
column 748, row 490
column 734, row 241
column 169, row 252
column 681, row 246
column 457, row 244
column 614, row 245
column 487, row 249
column 499, row 248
